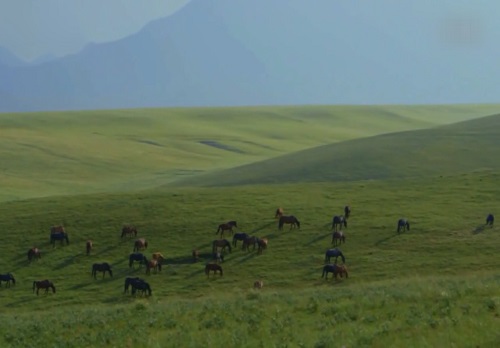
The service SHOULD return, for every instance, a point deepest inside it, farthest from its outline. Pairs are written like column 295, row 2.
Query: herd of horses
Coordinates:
column 219, row 247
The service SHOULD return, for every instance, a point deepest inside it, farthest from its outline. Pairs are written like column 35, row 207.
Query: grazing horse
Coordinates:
column 239, row 236
column 335, row 269
column 140, row 243
column 402, row 225
column 88, row 246
column 101, row 267
column 221, row 243
column 490, row 219
column 129, row 281
column 137, row 257
column 262, row 243
column 153, row 264
column 334, row 253
column 228, row 226
column 347, row 211
column 8, row 277
column 338, row 221
column 249, row 241
column 62, row 236
column 129, row 230
column 213, row 267
column 141, row 286
column 258, row 284
column 292, row 220
column 34, row 253
column 279, row 213
column 196, row 255
column 338, row 237
column 43, row 284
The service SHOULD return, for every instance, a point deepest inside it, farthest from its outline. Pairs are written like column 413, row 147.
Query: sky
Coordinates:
column 33, row 28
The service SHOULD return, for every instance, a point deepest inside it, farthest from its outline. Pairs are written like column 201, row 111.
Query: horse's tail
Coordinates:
column 34, row 286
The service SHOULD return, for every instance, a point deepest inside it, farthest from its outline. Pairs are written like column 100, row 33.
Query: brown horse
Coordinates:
column 249, row 241
column 57, row 229
column 262, row 243
column 88, row 246
column 43, row 284
column 335, row 269
column 279, row 213
column 258, row 284
column 129, row 230
column 153, row 264
column 292, row 220
column 221, row 243
column 212, row 267
column 196, row 255
column 228, row 226
column 338, row 237
column 140, row 244
column 34, row 253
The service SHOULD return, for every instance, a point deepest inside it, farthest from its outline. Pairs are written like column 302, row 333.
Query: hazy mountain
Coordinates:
column 229, row 52
column 9, row 59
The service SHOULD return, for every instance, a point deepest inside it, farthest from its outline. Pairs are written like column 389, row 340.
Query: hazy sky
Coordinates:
column 31, row 28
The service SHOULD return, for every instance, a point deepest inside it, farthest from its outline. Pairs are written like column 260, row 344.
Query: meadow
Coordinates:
column 435, row 285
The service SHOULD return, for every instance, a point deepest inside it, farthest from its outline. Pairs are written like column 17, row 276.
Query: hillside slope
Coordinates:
column 458, row 148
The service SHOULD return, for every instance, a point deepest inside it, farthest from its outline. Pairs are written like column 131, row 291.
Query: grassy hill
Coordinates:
column 44, row 154
column 458, row 148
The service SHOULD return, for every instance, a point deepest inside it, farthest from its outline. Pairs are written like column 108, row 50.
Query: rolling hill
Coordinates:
column 458, row 148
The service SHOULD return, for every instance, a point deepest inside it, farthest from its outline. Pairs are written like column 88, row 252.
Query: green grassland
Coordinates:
column 435, row 285
column 45, row 154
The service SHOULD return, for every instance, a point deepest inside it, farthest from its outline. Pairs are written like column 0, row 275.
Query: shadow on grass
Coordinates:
column 481, row 228
column 318, row 238
column 380, row 241
column 258, row 229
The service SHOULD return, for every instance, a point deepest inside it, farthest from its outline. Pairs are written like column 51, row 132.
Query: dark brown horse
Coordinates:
column 88, row 246
column 43, row 284
column 291, row 220
column 249, row 241
column 347, row 211
column 228, row 226
column 213, row 267
column 140, row 244
column 336, row 270
column 338, row 237
column 129, row 230
column 34, row 253
column 221, row 243
column 262, row 243
column 101, row 267
column 279, row 213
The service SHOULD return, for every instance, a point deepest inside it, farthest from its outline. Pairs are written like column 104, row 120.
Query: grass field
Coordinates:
column 435, row 285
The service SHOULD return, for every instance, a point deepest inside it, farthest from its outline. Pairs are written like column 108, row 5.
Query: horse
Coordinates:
column 221, row 243
column 101, row 267
column 137, row 257
column 249, row 241
column 130, row 230
column 8, row 277
column 153, row 264
column 335, row 269
column 196, row 255
column 34, row 253
column 57, row 229
column 239, row 236
column 262, row 244
column 62, row 236
column 338, row 237
column 228, row 226
column 88, row 246
column 141, row 286
column 402, row 225
column 212, row 267
column 258, row 284
column 140, row 243
column 43, row 284
column 292, row 220
column 218, row 257
column 279, row 213
column 490, row 219
column 334, row 253
column 338, row 221
column 129, row 281
column 347, row 211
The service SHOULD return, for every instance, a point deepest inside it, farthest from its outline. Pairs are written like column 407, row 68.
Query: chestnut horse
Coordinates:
column 88, row 246
column 34, row 253
column 336, row 270
column 140, row 243
column 212, row 267
column 129, row 230
column 153, row 264
column 262, row 243
column 228, row 226
column 292, row 220
column 338, row 237
column 43, row 284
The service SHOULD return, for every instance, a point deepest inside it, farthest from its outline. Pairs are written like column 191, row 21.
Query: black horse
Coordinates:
column 137, row 257
column 292, row 220
column 490, row 219
column 61, row 236
column 347, row 211
column 129, row 281
column 402, row 225
column 141, row 286
column 101, row 267
column 239, row 236
column 334, row 253
column 338, row 221
column 8, row 277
